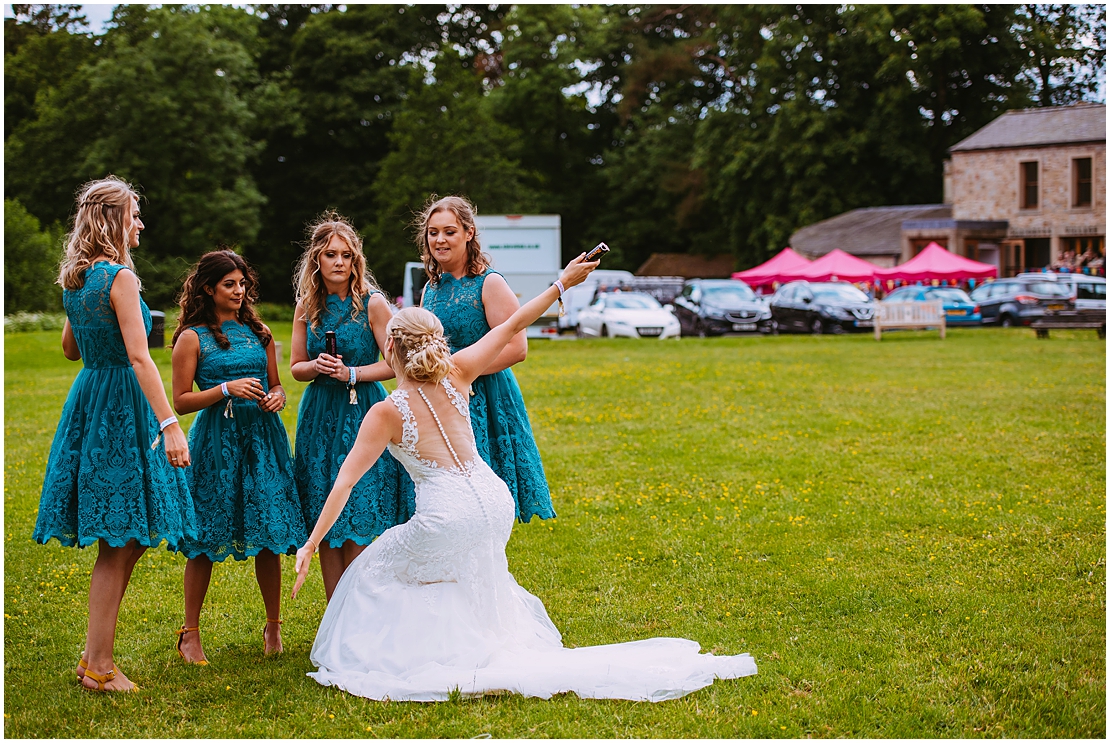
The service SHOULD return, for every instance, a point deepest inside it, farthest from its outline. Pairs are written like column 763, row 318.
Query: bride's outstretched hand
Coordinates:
column 577, row 271
column 304, row 559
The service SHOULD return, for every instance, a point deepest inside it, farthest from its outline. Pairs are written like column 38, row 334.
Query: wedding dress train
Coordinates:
column 430, row 607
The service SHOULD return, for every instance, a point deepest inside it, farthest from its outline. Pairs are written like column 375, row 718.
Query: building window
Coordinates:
column 1082, row 169
column 1029, row 185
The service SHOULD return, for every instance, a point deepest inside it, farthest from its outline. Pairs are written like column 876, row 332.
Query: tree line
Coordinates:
column 659, row 128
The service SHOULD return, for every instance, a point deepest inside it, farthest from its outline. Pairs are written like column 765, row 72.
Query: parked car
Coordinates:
column 1020, row 301
column 627, row 314
column 577, row 298
column 717, row 306
column 1088, row 292
column 958, row 307
column 821, row 307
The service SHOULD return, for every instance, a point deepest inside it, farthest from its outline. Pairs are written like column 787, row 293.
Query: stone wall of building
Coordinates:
column 986, row 185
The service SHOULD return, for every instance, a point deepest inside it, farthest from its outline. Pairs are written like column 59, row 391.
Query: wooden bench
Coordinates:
column 1069, row 319
column 920, row 315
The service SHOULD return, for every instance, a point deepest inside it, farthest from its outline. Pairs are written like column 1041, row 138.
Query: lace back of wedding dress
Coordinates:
column 447, row 443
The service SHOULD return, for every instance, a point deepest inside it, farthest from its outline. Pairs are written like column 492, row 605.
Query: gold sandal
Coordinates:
column 280, row 647
column 181, row 636
column 102, row 680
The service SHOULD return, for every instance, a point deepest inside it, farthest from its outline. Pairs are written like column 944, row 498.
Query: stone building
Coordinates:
column 1018, row 193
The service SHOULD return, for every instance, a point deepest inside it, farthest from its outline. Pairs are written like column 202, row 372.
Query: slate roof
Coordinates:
column 875, row 230
column 688, row 266
column 1038, row 127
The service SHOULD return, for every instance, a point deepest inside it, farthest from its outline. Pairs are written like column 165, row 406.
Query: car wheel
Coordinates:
column 604, row 331
column 817, row 327
column 1008, row 321
column 774, row 326
column 699, row 330
column 578, row 331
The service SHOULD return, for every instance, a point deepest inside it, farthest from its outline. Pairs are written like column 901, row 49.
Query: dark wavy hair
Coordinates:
column 198, row 306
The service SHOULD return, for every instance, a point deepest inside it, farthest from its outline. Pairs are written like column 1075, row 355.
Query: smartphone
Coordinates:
column 595, row 254
column 331, row 347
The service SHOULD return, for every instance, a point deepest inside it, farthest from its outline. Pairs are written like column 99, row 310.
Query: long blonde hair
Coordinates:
column 419, row 347
column 311, row 293
column 476, row 261
column 99, row 229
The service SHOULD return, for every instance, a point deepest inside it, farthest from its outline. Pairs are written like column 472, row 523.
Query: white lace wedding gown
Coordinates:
column 430, row 606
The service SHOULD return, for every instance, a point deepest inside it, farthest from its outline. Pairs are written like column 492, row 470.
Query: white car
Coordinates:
column 578, row 298
column 1088, row 292
column 629, row 315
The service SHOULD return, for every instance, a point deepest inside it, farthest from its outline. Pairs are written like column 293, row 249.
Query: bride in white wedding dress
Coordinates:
column 430, row 606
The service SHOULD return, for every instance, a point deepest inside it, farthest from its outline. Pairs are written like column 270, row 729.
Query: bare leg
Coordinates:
column 198, row 574
column 267, row 571
column 106, row 588
column 351, row 550
column 331, row 567
column 132, row 560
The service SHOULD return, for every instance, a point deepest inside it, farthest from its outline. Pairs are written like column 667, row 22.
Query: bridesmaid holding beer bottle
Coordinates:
column 338, row 329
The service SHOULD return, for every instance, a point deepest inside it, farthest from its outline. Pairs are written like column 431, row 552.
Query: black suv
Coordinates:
column 717, row 306
column 1010, row 302
column 821, row 307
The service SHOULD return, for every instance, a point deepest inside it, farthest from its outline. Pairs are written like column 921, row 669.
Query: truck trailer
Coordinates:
column 525, row 248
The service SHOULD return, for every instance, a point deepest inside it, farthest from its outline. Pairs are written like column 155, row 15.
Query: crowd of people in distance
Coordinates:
column 1086, row 262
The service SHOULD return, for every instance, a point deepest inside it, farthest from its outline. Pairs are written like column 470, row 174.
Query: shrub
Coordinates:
column 30, row 322
column 273, row 312
column 31, row 257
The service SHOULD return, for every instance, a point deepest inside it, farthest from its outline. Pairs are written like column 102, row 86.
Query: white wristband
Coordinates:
column 223, row 388
column 168, row 422
column 560, row 287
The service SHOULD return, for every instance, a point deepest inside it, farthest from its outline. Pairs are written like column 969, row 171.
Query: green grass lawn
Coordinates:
column 908, row 536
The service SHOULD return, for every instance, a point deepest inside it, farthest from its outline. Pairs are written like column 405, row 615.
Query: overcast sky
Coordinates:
column 96, row 13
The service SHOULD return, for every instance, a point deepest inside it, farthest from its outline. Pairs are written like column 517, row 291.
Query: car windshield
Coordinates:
column 727, row 295
column 948, row 295
column 1048, row 288
column 631, row 302
column 838, row 293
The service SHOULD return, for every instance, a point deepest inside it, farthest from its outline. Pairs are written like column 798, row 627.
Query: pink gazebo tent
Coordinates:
column 786, row 266
column 837, row 265
column 934, row 262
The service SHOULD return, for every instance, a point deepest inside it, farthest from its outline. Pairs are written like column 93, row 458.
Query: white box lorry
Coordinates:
column 525, row 249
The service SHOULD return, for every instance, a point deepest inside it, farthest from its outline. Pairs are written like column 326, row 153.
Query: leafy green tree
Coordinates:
column 166, row 105
column 445, row 141
column 31, row 256
column 44, row 45
column 550, row 62
column 1064, row 50
column 345, row 76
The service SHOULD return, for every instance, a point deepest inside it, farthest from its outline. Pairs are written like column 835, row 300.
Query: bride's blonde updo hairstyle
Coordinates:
column 419, row 348
column 99, row 229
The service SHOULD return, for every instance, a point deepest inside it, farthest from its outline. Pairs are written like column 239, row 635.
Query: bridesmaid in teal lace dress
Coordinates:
column 469, row 298
column 110, row 476
column 336, row 293
column 242, row 474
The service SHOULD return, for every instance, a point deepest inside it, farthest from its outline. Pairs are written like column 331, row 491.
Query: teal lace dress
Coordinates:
column 105, row 477
column 241, row 477
column 502, row 432
column 327, row 425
